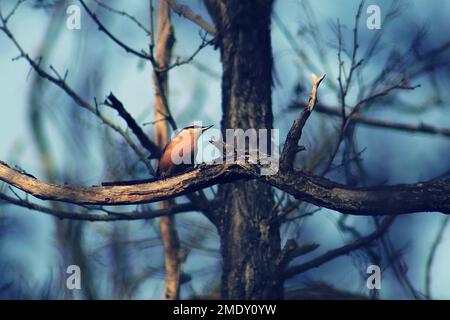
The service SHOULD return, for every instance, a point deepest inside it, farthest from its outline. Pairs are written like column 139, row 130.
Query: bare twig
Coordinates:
column 186, row 12
column 144, row 55
column 354, row 64
column 332, row 254
column 125, row 14
column 302, row 215
column 179, row 61
column 432, row 254
column 290, row 148
column 398, row 267
column 141, row 54
column 356, row 109
column 109, row 216
column 13, row 10
column 402, row 85
column 158, row 70
column 117, row 105
column 291, row 251
column 60, row 82
column 293, row 43
column 152, row 27
column 359, row 118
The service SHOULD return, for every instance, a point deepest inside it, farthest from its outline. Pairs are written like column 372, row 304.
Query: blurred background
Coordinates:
column 43, row 132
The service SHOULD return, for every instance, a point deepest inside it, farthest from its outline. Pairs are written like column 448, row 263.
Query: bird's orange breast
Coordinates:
column 185, row 145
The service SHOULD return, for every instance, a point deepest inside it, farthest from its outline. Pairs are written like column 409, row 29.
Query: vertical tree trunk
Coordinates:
column 249, row 245
column 169, row 233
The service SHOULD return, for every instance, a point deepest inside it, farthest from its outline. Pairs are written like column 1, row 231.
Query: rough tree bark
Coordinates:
column 249, row 246
column 428, row 196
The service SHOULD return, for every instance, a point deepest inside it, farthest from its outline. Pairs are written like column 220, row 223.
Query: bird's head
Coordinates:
column 195, row 130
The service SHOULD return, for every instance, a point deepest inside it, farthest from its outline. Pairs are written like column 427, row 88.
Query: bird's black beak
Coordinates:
column 206, row 128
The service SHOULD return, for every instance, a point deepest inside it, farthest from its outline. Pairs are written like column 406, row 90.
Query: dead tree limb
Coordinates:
column 148, row 144
column 295, row 133
column 430, row 196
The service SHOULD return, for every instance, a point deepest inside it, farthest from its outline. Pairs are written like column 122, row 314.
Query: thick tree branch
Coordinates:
column 385, row 200
column 431, row 196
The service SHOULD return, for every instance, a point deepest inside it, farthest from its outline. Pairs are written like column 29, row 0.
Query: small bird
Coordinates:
column 183, row 146
column 186, row 140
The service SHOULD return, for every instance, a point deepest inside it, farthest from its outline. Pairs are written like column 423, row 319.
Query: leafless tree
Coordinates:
column 248, row 209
